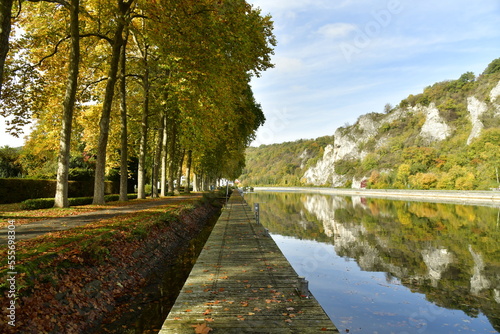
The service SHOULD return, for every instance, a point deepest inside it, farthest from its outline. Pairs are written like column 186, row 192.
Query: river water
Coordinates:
column 391, row 266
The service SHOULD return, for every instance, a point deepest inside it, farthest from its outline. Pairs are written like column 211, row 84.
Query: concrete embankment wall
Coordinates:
column 489, row 198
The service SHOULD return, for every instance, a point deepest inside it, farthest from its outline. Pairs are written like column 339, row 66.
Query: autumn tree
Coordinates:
column 5, row 26
column 20, row 106
column 184, row 70
column 116, row 43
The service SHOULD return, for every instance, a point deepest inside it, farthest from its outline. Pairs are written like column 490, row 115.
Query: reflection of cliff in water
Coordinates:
column 448, row 252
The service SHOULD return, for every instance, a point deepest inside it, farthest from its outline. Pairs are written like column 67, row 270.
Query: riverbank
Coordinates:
column 487, row 198
column 71, row 281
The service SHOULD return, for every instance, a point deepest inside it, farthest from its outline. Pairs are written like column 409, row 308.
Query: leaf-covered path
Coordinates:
column 242, row 283
column 34, row 229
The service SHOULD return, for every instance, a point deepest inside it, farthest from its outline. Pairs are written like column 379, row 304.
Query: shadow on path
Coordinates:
column 32, row 230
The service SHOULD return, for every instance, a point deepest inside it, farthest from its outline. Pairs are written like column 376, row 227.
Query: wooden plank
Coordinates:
column 242, row 283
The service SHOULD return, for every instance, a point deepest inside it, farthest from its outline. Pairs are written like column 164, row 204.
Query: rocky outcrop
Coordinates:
column 304, row 157
column 351, row 142
column 324, row 169
column 476, row 108
column 435, row 127
column 478, row 281
column 494, row 94
column 437, row 261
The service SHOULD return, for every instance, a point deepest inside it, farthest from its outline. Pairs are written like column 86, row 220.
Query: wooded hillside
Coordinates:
column 282, row 164
column 447, row 137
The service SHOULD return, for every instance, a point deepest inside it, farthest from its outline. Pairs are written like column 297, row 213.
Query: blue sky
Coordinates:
column 337, row 60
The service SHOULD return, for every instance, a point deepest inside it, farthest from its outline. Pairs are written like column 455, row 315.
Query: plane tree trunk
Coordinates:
column 117, row 43
column 124, row 125
column 61, row 197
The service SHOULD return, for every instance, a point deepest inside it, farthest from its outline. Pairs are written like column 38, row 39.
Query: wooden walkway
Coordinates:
column 242, row 283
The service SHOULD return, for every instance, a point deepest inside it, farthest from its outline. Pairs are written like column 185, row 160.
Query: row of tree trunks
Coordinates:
column 107, row 103
column 201, row 183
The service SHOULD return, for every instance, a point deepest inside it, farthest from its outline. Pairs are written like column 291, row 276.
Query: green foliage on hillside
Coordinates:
column 282, row 164
column 408, row 161
column 398, row 156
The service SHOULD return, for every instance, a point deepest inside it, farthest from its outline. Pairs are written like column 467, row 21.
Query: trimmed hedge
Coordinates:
column 37, row 203
column 45, row 203
column 17, row 190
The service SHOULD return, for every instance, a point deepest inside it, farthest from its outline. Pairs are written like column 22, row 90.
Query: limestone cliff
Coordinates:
column 447, row 137
column 372, row 132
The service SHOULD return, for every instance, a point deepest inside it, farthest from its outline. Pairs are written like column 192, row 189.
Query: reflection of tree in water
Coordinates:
column 448, row 252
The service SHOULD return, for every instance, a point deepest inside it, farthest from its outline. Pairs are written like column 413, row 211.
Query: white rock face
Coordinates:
column 321, row 173
column 495, row 93
column 368, row 126
column 348, row 238
column 345, row 145
column 478, row 281
column 434, row 128
column 496, row 295
column 437, row 260
column 306, row 155
column 348, row 141
column 476, row 108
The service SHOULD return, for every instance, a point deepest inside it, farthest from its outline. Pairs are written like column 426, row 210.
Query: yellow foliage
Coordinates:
column 423, row 181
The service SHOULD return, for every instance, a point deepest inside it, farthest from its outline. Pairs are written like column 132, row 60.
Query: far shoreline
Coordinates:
column 487, row 198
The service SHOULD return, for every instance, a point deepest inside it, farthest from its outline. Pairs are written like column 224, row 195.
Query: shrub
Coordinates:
column 81, row 174
column 111, row 198
column 37, row 203
column 17, row 190
column 80, row 201
column 493, row 67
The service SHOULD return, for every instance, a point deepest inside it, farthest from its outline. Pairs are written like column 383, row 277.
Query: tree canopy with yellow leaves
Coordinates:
column 164, row 82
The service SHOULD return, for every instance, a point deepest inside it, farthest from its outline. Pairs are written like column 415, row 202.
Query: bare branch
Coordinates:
column 106, row 38
column 18, row 10
column 92, row 83
column 61, row 2
column 53, row 53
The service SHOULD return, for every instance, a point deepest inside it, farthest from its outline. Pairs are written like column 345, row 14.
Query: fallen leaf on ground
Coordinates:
column 202, row 329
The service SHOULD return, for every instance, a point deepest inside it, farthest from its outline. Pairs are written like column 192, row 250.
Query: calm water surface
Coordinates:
column 382, row 266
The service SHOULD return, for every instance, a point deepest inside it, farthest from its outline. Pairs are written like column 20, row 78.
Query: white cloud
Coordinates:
column 285, row 5
column 399, row 50
column 336, row 30
column 288, row 65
